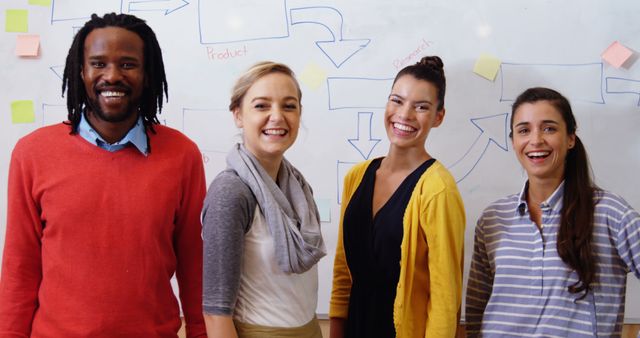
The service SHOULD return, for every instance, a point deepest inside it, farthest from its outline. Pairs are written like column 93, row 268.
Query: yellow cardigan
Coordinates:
column 429, row 291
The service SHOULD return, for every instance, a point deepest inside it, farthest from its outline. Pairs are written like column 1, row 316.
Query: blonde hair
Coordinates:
column 253, row 74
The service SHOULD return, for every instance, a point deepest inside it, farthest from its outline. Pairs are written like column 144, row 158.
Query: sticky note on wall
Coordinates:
column 16, row 20
column 487, row 66
column 27, row 45
column 616, row 54
column 313, row 76
column 40, row 2
column 22, row 112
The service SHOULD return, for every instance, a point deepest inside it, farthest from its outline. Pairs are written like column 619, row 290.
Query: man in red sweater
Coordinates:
column 104, row 208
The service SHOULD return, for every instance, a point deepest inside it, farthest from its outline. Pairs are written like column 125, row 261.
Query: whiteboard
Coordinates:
column 345, row 54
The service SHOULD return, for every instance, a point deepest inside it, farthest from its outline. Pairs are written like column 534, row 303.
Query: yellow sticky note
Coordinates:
column 16, row 20
column 22, row 112
column 40, row 2
column 487, row 66
column 27, row 45
column 313, row 76
column 616, row 54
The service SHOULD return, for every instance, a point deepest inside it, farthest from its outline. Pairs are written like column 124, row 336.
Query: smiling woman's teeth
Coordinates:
column 275, row 131
column 403, row 127
column 538, row 154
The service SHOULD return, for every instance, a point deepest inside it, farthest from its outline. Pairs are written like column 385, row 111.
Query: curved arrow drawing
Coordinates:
column 364, row 144
column 168, row 6
column 337, row 50
column 617, row 85
column 492, row 129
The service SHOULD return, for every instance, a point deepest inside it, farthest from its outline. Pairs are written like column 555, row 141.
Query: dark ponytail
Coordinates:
column 430, row 69
column 575, row 236
column 576, row 223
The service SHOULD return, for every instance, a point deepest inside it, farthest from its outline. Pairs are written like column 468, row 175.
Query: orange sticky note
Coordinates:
column 487, row 66
column 27, row 45
column 22, row 112
column 616, row 54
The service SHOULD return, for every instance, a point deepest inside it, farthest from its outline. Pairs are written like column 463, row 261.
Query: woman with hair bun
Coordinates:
column 552, row 260
column 398, row 263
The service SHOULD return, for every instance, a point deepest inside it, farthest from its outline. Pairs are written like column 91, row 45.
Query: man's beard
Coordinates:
column 94, row 107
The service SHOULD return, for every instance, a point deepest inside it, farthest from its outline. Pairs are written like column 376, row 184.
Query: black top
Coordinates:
column 372, row 250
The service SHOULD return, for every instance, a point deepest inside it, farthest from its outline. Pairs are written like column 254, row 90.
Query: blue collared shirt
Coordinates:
column 518, row 284
column 136, row 136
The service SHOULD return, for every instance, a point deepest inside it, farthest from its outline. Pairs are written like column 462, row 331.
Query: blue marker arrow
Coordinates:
column 364, row 144
column 58, row 70
column 337, row 50
column 492, row 129
column 166, row 6
column 616, row 85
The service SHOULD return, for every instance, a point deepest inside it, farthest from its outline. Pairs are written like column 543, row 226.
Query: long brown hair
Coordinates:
column 575, row 236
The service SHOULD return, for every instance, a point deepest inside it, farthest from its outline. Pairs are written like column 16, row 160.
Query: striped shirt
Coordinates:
column 518, row 284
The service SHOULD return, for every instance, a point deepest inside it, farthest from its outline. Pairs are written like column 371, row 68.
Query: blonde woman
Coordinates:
column 261, row 227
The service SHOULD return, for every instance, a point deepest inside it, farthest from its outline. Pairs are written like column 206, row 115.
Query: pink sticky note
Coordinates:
column 27, row 45
column 616, row 54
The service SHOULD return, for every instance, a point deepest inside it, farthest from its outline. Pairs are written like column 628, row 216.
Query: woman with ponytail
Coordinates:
column 551, row 261
column 398, row 263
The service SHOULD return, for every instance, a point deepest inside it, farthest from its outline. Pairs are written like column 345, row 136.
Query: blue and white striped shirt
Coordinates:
column 518, row 284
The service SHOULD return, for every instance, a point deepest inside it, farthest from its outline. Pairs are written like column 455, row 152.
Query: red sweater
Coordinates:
column 93, row 238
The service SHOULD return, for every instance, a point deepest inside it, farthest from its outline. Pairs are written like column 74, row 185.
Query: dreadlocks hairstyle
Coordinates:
column 575, row 236
column 155, row 79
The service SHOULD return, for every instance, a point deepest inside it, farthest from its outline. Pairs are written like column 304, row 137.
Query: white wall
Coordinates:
column 207, row 44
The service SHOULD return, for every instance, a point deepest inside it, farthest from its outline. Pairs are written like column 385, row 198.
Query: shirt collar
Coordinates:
column 136, row 135
column 553, row 202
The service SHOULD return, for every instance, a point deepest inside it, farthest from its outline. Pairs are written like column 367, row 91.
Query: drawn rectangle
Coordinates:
column 63, row 10
column 579, row 82
column 226, row 21
column 352, row 92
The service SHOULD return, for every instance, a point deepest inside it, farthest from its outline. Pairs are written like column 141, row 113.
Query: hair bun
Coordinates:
column 433, row 62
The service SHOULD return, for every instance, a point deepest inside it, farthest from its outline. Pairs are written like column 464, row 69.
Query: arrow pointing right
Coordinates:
column 616, row 85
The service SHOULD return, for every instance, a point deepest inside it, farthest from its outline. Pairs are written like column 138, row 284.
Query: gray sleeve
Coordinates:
column 226, row 216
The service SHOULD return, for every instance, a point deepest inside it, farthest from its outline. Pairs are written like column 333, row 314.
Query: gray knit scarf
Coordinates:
column 288, row 207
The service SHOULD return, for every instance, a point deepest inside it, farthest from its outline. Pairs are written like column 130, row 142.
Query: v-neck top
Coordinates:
column 372, row 248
